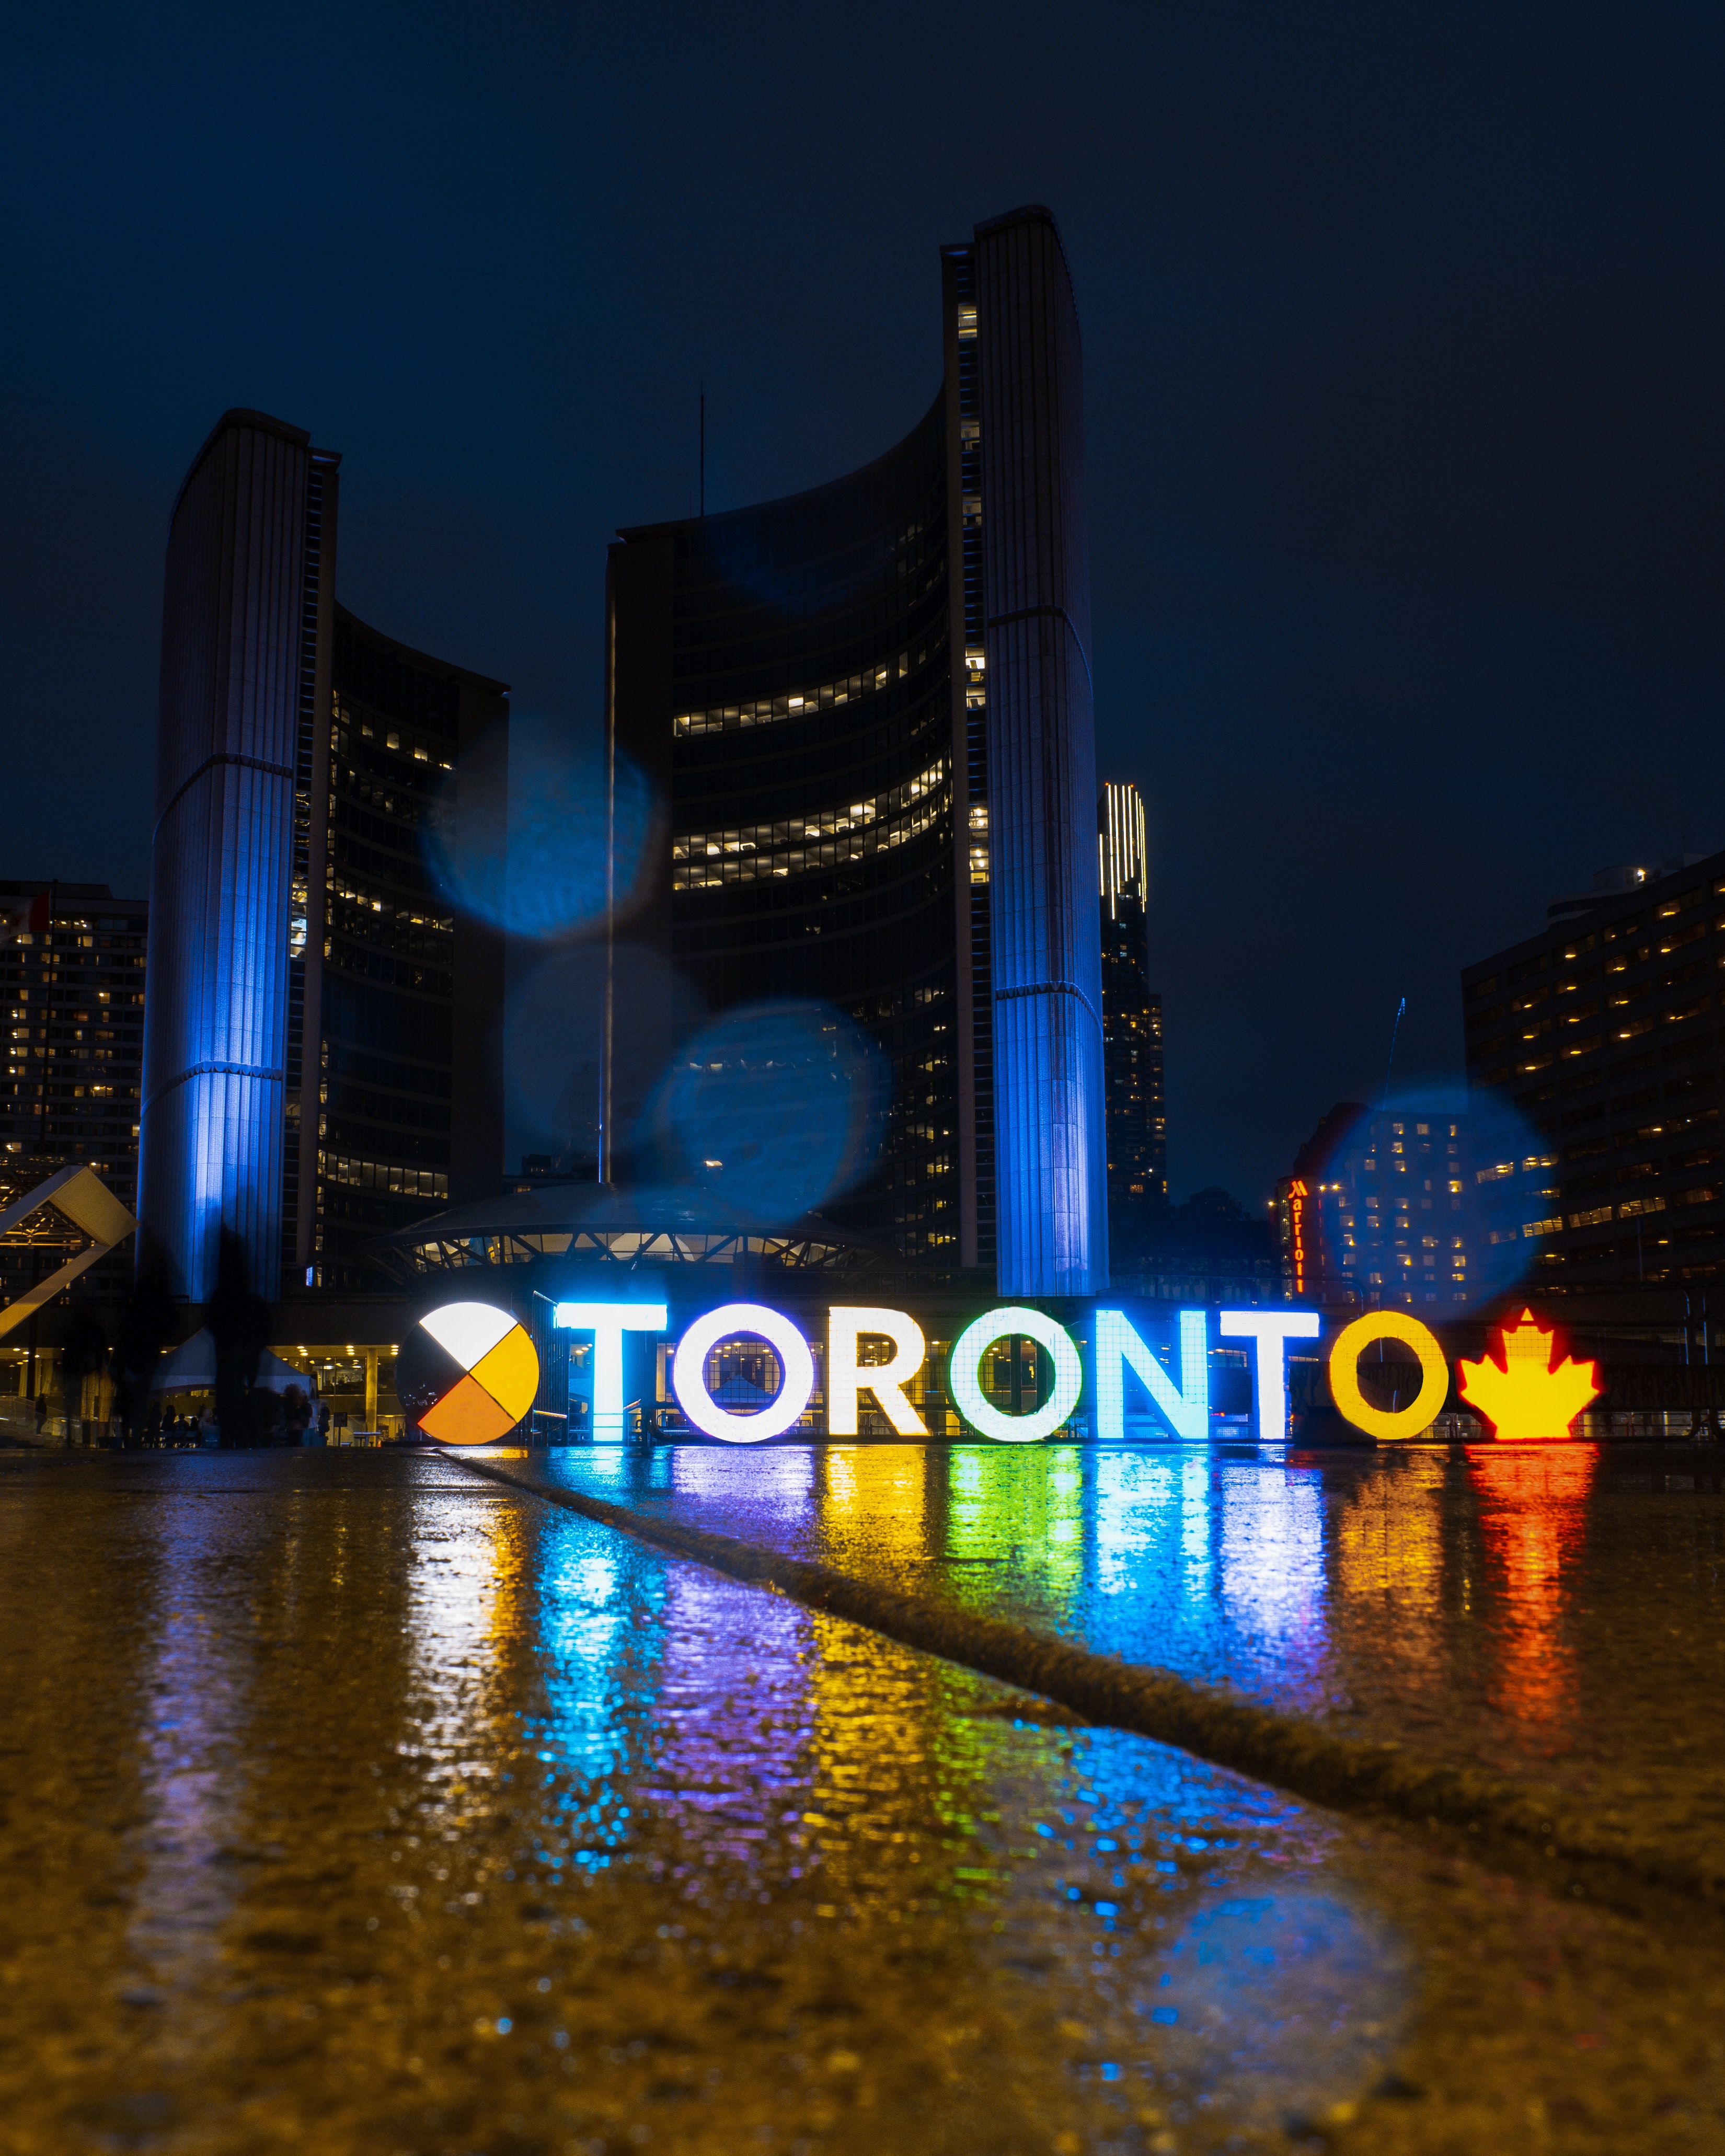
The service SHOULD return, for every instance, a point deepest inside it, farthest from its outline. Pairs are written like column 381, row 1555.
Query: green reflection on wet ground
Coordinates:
column 357, row 1804
column 1557, row 1612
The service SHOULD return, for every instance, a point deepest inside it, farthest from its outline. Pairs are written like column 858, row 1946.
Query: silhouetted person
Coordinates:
column 296, row 1415
column 240, row 1326
column 146, row 1325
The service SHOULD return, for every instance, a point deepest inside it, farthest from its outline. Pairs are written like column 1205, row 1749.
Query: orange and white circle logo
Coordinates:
column 467, row 1374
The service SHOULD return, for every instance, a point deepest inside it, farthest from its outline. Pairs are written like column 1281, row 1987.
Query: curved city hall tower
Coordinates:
column 244, row 590
column 319, row 1034
column 869, row 707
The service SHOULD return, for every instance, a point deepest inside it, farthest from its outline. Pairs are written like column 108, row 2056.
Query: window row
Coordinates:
column 383, row 1175
column 824, row 839
column 726, row 718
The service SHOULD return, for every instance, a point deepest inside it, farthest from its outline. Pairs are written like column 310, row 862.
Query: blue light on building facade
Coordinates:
column 244, row 584
column 1050, row 1137
column 320, row 1035
column 868, row 708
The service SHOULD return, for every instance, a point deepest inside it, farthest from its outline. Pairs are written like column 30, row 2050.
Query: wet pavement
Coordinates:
column 1552, row 1612
column 349, row 1801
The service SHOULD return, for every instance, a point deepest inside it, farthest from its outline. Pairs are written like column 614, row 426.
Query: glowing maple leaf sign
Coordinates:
column 1523, row 1394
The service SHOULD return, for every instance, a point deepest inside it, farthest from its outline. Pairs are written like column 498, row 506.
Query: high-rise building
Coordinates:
column 1378, row 1213
column 869, row 709
column 1599, row 1037
column 1132, row 1011
column 71, row 969
column 320, row 1025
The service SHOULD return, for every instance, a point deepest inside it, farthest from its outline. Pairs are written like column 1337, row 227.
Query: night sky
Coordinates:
column 1403, row 341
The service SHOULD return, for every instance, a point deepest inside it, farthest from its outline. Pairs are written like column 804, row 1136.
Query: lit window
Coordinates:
column 723, row 718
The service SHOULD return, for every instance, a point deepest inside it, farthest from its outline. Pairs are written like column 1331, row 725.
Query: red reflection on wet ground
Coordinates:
column 1532, row 1520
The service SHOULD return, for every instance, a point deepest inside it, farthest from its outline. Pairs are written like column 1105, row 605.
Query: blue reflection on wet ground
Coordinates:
column 335, row 1771
column 750, row 1751
column 1457, row 1601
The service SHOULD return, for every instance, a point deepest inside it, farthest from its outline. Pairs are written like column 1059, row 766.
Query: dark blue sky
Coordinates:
column 1404, row 339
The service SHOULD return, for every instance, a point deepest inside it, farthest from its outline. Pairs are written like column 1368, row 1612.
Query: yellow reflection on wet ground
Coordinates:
column 881, row 1491
column 1493, row 1606
column 358, row 1804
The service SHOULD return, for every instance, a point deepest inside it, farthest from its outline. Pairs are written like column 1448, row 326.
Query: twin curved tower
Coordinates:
column 869, row 707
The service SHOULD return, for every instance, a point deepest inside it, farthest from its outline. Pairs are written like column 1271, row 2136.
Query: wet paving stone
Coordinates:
column 353, row 1803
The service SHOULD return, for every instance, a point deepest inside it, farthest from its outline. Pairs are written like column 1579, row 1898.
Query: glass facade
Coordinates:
column 385, row 992
column 810, row 773
column 809, row 683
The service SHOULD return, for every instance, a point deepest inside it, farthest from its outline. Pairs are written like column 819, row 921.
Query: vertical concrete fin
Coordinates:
column 1050, row 1139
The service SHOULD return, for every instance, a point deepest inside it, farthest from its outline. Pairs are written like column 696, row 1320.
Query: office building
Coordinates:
column 72, row 967
column 1601, row 1036
column 1377, row 1214
column 320, row 1027
column 1131, row 1013
column 869, row 708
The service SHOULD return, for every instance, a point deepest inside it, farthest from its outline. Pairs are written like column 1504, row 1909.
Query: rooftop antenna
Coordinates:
column 703, row 452
column 1400, row 1007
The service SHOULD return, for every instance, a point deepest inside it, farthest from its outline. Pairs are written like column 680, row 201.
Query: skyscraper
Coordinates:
column 869, row 709
column 1380, row 1213
column 1132, row 1011
column 317, row 1021
column 1594, row 1045
column 72, row 966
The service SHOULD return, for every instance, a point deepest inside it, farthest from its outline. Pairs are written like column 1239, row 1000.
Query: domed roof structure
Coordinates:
column 621, row 1227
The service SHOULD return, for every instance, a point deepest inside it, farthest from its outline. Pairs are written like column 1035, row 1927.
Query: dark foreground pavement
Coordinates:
column 353, row 1802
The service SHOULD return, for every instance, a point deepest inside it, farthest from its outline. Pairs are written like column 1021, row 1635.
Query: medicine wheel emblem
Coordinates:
column 467, row 1374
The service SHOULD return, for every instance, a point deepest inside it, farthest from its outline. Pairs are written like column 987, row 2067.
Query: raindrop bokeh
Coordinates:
column 520, row 842
column 1302, row 1996
column 775, row 1107
column 556, row 1035
column 1506, row 1170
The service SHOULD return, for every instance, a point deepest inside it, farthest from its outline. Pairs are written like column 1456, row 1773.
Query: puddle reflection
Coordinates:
column 1415, row 1586
column 775, row 1767
column 1532, row 1515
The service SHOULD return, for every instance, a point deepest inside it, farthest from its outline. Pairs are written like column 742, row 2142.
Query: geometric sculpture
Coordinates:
column 78, row 1195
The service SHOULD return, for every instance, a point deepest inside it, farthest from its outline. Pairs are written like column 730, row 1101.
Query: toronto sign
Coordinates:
column 468, row 1374
column 1525, row 1390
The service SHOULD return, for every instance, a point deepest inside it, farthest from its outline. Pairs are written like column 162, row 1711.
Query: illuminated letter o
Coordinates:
column 1344, row 1375
column 689, row 1373
column 965, row 1363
